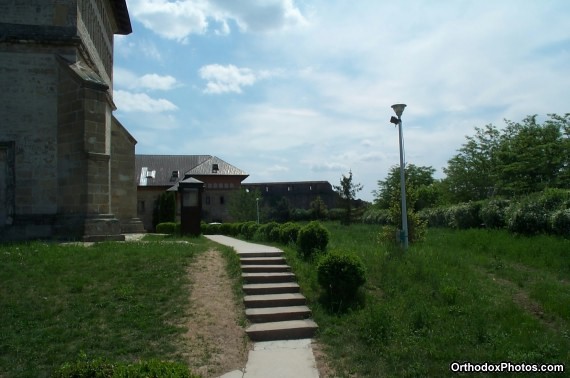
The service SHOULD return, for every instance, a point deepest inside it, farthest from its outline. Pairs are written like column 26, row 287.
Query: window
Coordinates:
column 208, row 200
column 222, row 200
column 215, row 168
column 266, row 189
column 174, row 176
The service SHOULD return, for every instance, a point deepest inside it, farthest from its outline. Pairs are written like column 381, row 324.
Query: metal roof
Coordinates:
column 160, row 168
column 215, row 166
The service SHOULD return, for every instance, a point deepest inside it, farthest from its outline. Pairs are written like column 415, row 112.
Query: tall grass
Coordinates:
column 468, row 296
column 121, row 301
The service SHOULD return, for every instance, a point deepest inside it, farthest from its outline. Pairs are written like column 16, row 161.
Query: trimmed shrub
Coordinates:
column 104, row 369
column 166, row 228
column 248, row 230
column 560, row 222
column 269, row 229
column 312, row 238
column 493, row 213
column 288, row 232
column 340, row 275
column 275, row 234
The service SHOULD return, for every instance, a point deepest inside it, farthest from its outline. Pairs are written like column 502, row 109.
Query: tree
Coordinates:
column 472, row 173
column 417, row 176
column 530, row 156
column 318, row 208
column 166, row 207
column 243, row 205
column 281, row 212
column 347, row 191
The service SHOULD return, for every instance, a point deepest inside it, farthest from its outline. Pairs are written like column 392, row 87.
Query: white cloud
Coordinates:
column 226, row 79
column 179, row 19
column 141, row 102
column 158, row 82
column 124, row 78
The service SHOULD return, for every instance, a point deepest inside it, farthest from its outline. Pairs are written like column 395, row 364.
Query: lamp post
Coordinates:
column 399, row 109
column 257, row 202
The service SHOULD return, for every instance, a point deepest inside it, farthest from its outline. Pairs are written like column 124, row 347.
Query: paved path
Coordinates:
column 279, row 358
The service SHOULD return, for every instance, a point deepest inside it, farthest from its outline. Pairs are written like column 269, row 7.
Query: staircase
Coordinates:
column 273, row 303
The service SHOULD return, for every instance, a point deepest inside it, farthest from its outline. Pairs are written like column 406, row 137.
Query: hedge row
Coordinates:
column 544, row 212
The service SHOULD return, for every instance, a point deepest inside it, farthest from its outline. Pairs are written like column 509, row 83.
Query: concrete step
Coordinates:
column 274, row 300
column 265, row 268
column 271, row 288
column 262, row 260
column 286, row 330
column 268, row 277
column 260, row 254
column 277, row 314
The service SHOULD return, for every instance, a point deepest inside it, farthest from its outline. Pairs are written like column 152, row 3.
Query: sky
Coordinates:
column 301, row 90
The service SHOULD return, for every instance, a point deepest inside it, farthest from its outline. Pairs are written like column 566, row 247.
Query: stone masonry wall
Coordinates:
column 124, row 189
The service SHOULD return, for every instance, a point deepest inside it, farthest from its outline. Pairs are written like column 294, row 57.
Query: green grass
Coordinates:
column 469, row 296
column 120, row 301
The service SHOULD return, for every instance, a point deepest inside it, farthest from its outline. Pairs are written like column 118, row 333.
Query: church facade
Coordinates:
column 66, row 163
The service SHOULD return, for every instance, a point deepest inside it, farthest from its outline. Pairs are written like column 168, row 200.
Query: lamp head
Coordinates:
column 398, row 109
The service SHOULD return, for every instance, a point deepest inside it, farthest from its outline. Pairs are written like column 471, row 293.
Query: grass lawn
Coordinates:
column 122, row 301
column 466, row 296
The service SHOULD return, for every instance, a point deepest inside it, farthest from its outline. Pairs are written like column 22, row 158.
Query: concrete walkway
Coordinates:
column 277, row 358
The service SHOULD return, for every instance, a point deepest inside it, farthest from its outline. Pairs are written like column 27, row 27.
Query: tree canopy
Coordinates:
column 521, row 158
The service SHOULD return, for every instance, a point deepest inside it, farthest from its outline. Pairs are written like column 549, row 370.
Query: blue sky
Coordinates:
column 295, row 90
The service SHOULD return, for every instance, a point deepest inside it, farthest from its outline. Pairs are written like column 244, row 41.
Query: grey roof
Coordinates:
column 186, row 165
column 206, row 168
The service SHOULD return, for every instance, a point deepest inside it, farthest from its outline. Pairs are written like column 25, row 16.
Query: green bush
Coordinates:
column 435, row 217
column 248, row 230
column 374, row 215
column 465, row 215
column 340, row 275
column 560, row 222
column 288, row 232
column 532, row 215
column 100, row 368
column 493, row 213
column 166, row 228
column 312, row 238
column 301, row 215
column 336, row 214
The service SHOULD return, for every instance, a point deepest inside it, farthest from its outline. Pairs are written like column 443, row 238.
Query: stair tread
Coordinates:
column 275, row 310
column 256, row 259
column 282, row 325
column 268, row 297
column 271, row 285
column 267, row 274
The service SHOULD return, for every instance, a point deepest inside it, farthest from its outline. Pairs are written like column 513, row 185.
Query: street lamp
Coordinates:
column 399, row 109
column 257, row 201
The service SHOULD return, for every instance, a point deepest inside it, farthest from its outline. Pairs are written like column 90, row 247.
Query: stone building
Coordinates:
column 155, row 174
column 66, row 164
column 299, row 194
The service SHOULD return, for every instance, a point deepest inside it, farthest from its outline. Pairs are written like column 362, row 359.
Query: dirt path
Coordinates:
column 215, row 342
